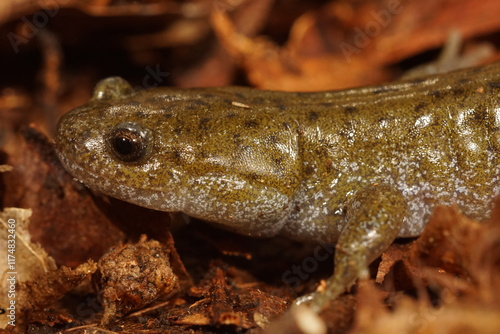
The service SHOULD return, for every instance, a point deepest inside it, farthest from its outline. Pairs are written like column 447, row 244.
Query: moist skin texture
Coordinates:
column 358, row 167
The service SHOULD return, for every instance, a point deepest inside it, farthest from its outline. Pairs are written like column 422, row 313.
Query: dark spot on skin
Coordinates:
column 475, row 70
column 278, row 100
column 384, row 119
column 273, row 139
column 462, row 82
column 176, row 152
column 309, row 170
column 494, row 84
column 167, row 114
column 313, row 115
column 237, row 139
column 385, row 89
column 435, row 93
column 457, row 91
column 420, row 107
column 321, row 151
column 350, row 109
column 203, row 125
column 196, row 104
column 490, row 148
column 278, row 161
column 253, row 176
column 105, row 105
column 179, row 127
column 297, row 208
column 132, row 104
column 329, row 166
column 251, row 124
column 102, row 113
column 480, row 113
column 159, row 99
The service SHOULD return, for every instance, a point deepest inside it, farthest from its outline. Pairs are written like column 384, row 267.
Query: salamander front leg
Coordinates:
column 373, row 220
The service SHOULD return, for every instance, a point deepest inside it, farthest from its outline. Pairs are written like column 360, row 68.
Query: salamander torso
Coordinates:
column 266, row 163
column 263, row 162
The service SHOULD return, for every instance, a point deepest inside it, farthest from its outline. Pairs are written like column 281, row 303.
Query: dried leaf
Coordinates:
column 53, row 285
column 23, row 260
column 132, row 276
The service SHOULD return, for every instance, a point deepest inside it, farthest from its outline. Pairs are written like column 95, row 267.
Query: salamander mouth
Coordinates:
column 77, row 171
column 109, row 187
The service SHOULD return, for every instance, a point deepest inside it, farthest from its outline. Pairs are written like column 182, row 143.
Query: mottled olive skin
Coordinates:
column 298, row 164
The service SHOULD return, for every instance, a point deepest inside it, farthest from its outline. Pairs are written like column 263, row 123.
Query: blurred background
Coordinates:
column 53, row 52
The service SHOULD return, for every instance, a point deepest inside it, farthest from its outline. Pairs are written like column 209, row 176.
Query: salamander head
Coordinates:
column 186, row 150
column 110, row 145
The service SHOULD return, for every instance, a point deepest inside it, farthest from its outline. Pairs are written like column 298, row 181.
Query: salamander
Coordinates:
column 357, row 167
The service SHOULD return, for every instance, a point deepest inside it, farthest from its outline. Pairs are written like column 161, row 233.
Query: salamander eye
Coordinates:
column 129, row 144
